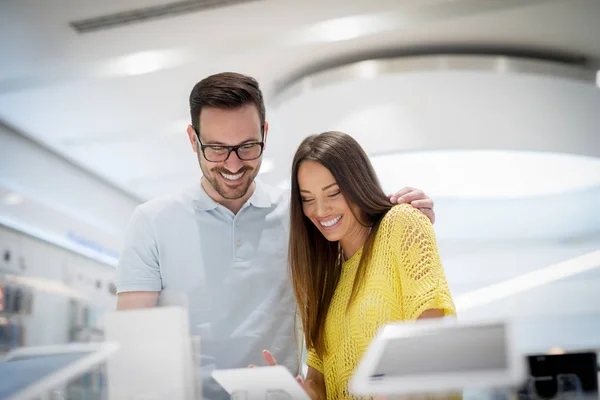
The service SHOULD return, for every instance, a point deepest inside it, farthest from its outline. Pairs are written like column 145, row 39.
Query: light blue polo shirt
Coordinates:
column 229, row 270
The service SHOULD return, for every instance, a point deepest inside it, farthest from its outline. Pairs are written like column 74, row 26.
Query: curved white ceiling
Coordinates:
column 501, row 152
column 441, row 110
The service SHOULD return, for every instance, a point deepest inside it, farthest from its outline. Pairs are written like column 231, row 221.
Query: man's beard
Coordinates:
column 212, row 176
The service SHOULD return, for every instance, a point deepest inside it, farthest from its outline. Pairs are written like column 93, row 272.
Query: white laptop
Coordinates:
column 439, row 356
column 155, row 359
column 260, row 383
column 30, row 372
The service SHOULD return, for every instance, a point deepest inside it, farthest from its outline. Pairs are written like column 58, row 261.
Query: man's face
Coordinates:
column 230, row 178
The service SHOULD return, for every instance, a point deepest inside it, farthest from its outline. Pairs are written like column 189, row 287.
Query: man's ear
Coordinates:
column 265, row 132
column 191, row 132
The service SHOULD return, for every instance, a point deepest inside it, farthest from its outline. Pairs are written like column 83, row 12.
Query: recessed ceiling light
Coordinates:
column 12, row 199
column 141, row 63
column 339, row 29
column 487, row 174
column 144, row 62
column 367, row 69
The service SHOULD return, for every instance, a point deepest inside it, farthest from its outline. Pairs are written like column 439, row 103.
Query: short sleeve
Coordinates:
column 138, row 268
column 422, row 278
column 313, row 360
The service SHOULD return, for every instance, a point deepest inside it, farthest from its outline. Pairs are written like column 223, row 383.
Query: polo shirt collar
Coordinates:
column 202, row 200
column 261, row 198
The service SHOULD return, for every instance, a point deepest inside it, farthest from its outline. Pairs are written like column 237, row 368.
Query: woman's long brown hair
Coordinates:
column 315, row 263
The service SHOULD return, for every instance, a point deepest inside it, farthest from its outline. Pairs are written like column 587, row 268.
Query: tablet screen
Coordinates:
column 260, row 383
column 457, row 350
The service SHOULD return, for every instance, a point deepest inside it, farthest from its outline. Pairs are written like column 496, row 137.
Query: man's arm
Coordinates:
column 135, row 300
column 139, row 280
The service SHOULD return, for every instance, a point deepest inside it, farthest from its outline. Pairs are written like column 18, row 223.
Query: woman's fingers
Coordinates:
column 269, row 359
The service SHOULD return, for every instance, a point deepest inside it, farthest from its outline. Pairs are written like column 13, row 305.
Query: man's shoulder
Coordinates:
column 169, row 204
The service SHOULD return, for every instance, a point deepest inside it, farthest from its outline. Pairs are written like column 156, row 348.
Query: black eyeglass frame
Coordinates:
column 231, row 149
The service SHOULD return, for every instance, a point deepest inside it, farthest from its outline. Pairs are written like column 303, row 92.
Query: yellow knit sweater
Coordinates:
column 404, row 278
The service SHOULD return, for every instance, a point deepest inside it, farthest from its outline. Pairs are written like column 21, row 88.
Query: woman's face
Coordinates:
column 323, row 203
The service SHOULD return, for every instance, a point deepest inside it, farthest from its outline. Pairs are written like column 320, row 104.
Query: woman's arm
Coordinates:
column 432, row 313
column 314, row 385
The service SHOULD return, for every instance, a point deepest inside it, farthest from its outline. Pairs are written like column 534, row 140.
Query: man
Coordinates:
column 220, row 247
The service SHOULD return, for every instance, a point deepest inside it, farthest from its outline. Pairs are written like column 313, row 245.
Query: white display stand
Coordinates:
column 156, row 356
column 439, row 356
column 31, row 372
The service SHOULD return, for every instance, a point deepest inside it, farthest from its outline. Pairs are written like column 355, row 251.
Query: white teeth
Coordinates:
column 232, row 177
column 331, row 222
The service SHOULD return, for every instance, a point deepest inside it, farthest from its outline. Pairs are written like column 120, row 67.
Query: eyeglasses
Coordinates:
column 219, row 153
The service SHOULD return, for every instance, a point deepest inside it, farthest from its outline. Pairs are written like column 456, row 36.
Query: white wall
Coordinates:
column 59, row 197
column 57, row 269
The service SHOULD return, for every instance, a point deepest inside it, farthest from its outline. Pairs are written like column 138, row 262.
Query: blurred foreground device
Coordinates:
column 260, row 383
column 437, row 356
column 155, row 358
column 569, row 376
column 32, row 372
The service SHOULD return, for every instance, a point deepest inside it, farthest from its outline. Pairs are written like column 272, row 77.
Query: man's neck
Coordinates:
column 232, row 205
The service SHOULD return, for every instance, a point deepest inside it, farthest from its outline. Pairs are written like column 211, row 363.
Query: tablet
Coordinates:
column 274, row 382
column 439, row 355
column 31, row 372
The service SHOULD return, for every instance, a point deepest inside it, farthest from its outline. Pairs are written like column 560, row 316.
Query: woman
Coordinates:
column 357, row 262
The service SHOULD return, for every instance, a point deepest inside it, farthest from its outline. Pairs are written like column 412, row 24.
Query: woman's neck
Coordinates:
column 354, row 240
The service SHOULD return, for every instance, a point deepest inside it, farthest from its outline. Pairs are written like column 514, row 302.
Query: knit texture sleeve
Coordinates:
column 313, row 360
column 422, row 279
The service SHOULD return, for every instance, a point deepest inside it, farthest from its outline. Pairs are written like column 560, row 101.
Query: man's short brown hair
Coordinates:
column 226, row 90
